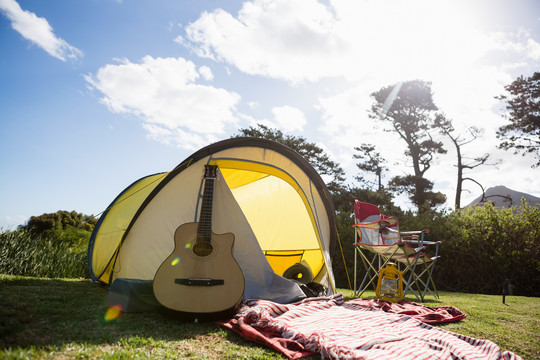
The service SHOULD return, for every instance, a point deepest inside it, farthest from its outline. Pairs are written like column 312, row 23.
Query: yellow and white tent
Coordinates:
column 266, row 194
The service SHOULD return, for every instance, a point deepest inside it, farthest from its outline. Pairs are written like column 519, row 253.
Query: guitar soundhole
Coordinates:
column 202, row 248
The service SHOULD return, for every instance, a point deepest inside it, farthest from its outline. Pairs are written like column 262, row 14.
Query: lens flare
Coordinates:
column 188, row 245
column 175, row 261
column 113, row 313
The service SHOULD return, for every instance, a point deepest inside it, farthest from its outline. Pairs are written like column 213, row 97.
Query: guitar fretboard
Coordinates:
column 204, row 230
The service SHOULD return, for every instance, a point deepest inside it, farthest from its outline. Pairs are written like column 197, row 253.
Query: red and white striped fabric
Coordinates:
column 339, row 330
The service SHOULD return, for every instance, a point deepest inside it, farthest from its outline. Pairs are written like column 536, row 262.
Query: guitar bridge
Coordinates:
column 200, row 282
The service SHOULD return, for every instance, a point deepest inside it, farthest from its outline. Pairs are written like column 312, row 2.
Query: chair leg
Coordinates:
column 411, row 267
column 369, row 267
column 355, row 264
column 433, row 292
column 420, row 283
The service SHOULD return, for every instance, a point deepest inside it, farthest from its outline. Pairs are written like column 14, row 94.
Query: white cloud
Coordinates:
column 288, row 119
column 533, row 49
column 206, row 73
column 164, row 93
column 346, row 113
column 179, row 137
column 38, row 31
column 179, row 40
column 292, row 40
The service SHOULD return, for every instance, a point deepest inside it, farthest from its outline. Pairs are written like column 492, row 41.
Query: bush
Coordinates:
column 489, row 247
column 22, row 253
column 60, row 221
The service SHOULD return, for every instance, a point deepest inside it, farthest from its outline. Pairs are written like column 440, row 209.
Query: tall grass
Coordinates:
column 22, row 253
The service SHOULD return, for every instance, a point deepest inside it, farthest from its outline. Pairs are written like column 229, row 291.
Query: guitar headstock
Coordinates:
column 210, row 171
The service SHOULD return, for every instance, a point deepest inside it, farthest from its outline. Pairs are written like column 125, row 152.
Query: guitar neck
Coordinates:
column 204, row 230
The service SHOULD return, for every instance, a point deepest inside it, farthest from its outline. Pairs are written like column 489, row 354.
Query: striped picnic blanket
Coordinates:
column 348, row 330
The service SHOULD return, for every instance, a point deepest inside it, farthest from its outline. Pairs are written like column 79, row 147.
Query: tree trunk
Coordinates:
column 459, row 175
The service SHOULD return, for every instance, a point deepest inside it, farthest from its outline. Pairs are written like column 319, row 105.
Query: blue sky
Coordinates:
column 95, row 94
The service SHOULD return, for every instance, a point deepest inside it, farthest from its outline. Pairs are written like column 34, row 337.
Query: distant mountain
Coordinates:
column 502, row 196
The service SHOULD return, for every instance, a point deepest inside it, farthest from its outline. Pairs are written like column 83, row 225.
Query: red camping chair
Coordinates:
column 378, row 241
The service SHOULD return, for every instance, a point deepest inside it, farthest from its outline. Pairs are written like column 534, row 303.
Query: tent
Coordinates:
column 266, row 194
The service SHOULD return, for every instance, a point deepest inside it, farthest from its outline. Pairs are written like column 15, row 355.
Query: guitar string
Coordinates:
column 204, row 229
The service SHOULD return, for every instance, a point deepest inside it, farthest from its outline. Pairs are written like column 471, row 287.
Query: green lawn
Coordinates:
column 65, row 319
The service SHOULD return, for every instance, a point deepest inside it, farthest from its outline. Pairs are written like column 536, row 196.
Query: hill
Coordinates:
column 502, row 196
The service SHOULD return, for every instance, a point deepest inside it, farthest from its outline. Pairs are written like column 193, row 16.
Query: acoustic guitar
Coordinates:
column 201, row 278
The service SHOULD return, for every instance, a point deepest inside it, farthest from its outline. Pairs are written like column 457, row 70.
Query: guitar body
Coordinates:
column 200, row 277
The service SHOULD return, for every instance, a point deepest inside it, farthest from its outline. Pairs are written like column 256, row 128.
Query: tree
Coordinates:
column 371, row 162
column 61, row 228
column 523, row 106
column 345, row 197
column 409, row 109
column 60, row 220
column 310, row 151
column 463, row 163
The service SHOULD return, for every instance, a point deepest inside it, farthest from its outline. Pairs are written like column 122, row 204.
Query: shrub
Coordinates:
column 489, row 247
column 58, row 221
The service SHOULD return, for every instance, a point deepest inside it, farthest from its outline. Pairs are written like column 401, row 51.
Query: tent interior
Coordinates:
column 278, row 218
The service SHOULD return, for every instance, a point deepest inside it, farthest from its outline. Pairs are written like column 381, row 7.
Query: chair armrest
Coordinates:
column 417, row 232
column 419, row 246
column 418, row 241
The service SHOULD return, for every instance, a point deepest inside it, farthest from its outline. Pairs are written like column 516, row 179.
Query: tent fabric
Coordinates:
column 354, row 330
column 267, row 195
column 113, row 223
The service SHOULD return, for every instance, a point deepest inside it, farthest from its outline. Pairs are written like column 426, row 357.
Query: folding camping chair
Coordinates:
column 378, row 242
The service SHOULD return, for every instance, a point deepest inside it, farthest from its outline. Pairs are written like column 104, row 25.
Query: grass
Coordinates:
column 44, row 318
column 513, row 326
column 42, row 255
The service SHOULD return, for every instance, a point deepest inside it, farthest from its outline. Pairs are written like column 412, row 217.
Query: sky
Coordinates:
column 95, row 94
